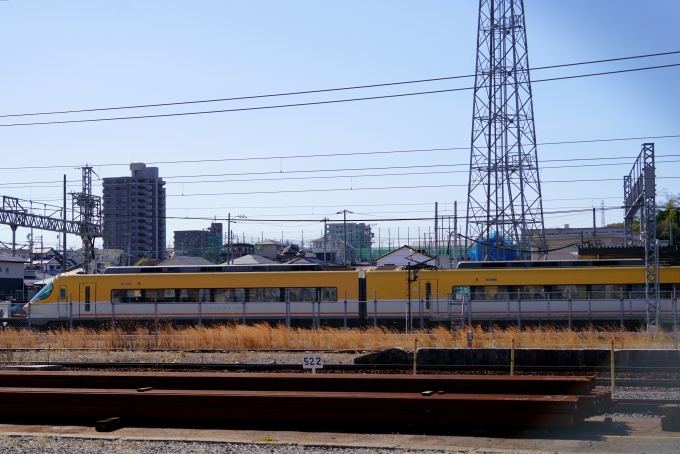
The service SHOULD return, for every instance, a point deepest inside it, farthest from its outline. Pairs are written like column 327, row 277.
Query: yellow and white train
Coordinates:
column 548, row 292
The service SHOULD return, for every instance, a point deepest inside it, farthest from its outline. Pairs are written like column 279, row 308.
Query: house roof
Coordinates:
column 185, row 260
column 404, row 247
column 306, row 259
column 10, row 258
column 269, row 242
column 333, row 238
column 252, row 259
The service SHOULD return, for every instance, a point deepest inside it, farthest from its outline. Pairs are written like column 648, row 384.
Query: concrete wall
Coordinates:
column 524, row 357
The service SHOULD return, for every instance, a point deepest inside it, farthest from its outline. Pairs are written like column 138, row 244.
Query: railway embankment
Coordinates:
column 526, row 357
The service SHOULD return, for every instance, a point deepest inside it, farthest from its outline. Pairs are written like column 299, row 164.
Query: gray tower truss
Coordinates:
column 504, row 191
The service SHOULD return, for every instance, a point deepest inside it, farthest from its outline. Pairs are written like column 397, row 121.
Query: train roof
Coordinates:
column 551, row 264
column 279, row 267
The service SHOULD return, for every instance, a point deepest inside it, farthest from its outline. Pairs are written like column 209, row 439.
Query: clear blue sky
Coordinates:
column 86, row 54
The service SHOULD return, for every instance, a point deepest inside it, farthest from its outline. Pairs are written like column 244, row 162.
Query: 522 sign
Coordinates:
column 312, row 362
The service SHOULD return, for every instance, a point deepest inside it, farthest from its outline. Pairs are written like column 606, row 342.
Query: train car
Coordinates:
column 500, row 293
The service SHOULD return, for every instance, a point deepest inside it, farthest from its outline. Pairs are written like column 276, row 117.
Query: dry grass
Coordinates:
column 265, row 337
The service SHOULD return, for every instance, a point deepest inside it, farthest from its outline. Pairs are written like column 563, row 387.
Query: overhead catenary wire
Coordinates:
column 317, row 103
column 286, row 177
column 360, row 153
column 325, row 90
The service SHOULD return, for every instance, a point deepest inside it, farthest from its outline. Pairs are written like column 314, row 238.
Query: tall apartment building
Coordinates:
column 134, row 213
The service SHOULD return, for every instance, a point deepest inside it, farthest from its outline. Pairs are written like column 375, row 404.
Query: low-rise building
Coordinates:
column 334, row 250
column 11, row 277
column 404, row 256
column 269, row 248
column 200, row 243
column 564, row 243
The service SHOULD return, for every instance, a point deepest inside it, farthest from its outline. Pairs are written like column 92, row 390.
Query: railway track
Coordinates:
column 433, row 401
column 273, row 367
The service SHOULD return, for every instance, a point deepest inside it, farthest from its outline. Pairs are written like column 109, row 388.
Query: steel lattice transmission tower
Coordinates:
column 89, row 215
column 504, row 192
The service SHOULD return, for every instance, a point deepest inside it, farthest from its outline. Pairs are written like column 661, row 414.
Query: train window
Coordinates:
column 121, row 296
column 204, row 295
column 302, row 294
column 188, row 295
column 460, row 292
column 43, row 293
column 265, row 295
column 62, row 293
column 533, row 292
column 329, row 294
column 87, row 298
column 229, row 295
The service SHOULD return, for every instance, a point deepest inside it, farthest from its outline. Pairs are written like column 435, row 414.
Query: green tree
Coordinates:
column 666, row 217
column 209, row 255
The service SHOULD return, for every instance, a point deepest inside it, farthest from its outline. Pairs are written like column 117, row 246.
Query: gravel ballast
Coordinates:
column 24, row 444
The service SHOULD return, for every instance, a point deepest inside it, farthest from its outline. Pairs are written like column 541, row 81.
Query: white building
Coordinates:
column 11, row 277
column 404, row 256
column 334, row 249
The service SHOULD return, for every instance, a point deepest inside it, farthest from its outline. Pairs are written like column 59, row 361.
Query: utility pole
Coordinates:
column 594, row 230
column 229, row 260
column 64, row 264
column 325, row 239
column 436, row 234
column 455, row 234
column 344, row 230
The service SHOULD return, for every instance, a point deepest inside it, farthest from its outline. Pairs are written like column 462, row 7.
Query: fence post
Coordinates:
column 519, row 310
column 512, row 356
column 469, row 312
column 421, row 312
column 70, row 311
column 569, row 306
column 313, row 317
column 113, row 313
column 612, row 364
column 548, row 304
column 345, row 313
column 630, row 303
column 375, row 308
column 155, row 317
column 675, row 319
column 29, row 316
column 462, row 313
column 200, row 311
column 318, row 310
column 244, row 307
column 621, row 309
column 590, row 316
column 287, row 298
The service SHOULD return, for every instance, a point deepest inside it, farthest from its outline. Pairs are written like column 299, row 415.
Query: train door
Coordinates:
column 62, row 304
column 429, row 293
column 87, row 298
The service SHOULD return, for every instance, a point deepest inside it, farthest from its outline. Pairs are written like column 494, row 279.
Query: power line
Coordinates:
column 296, row 191
column 359, row 153
column 236, row 180
column 324, row 90
column 317, row 103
